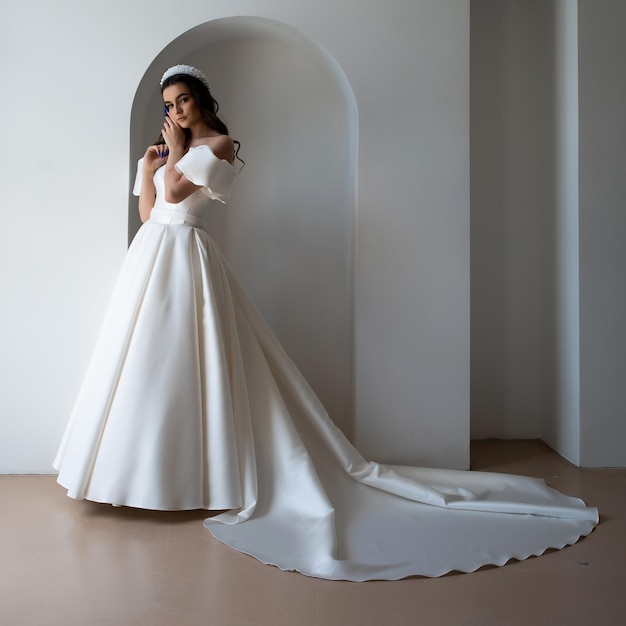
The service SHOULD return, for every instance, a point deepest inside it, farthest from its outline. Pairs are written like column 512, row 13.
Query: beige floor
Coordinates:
column 76, row 563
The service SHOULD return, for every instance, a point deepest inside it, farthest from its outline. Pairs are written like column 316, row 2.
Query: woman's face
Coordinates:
column 181, row 106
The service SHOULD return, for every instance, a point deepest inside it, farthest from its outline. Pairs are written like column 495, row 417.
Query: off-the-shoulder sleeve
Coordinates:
column 137, row 186
column 202, row 167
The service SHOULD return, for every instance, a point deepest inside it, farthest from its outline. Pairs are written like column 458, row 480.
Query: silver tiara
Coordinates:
column 185, row 69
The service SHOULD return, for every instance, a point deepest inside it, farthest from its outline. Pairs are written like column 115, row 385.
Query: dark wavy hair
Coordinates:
column 208, row 107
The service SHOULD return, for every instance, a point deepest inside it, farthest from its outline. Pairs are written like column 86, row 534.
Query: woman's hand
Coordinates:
column 155, row 157
column 174, row 137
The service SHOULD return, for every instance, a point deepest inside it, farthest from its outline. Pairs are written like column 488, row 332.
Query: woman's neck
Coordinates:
column 201, row 131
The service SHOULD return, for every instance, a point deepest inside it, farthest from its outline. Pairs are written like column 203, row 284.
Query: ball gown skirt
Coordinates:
column 190, row 402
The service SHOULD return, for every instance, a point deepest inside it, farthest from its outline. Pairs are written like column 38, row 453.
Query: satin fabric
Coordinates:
column 190, row 402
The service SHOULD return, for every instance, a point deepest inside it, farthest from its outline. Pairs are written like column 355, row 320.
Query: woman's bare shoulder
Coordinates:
column 222, row 147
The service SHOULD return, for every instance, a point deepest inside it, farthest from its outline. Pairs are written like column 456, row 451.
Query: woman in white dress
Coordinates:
column 190, row 402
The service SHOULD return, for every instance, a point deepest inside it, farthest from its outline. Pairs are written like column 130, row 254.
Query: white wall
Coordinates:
column 412, row 327
column 72, row 69
column 512, row 218
column 602, row 193
column 561, row 430
column 548, row 225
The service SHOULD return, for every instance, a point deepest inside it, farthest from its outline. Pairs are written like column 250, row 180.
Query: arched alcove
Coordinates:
column 289, row 229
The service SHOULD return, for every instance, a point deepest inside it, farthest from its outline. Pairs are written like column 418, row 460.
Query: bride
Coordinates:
column 190, row 402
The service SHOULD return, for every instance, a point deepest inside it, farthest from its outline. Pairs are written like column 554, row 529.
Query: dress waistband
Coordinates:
column 176, row 218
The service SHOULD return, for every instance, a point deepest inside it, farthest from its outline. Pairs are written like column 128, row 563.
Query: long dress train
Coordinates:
column 190, row 402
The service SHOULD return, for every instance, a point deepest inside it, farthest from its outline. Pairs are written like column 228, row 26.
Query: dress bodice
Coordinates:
column 200, row 166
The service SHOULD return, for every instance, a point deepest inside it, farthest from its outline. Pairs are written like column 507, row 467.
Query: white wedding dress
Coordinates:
column 190, row 402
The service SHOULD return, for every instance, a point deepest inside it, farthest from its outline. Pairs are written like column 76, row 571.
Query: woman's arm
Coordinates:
column 177, row 187
column 151, row 163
